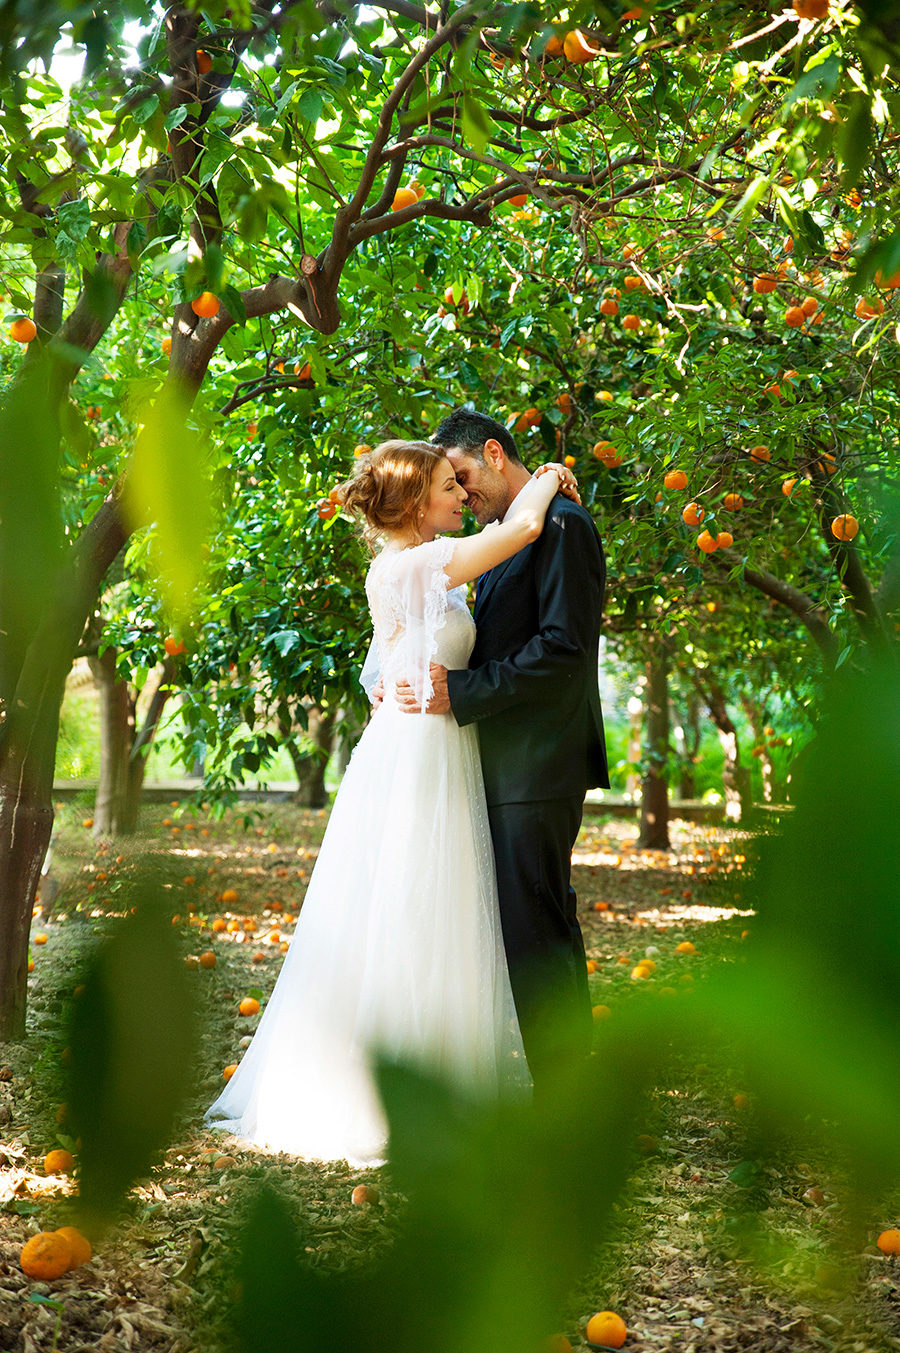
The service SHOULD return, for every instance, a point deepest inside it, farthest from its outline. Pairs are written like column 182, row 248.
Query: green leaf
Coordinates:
column 478, row 127
column 167, row 489
column 145, row 109
column 74, row 218
column 310, row 105
column 855, row 140
column 815, row 83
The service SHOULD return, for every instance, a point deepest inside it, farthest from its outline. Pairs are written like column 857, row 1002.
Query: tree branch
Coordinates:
column 803, row 607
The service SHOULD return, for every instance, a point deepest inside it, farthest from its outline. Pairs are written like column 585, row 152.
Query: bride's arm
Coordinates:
column 474, row 555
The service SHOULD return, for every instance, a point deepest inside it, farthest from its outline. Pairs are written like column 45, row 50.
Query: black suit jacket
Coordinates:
column 531, row 683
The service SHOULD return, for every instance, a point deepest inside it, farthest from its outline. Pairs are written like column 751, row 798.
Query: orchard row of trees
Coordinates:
column 659, row 241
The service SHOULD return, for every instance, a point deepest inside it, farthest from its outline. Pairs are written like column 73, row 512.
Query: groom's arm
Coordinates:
column 570, row 574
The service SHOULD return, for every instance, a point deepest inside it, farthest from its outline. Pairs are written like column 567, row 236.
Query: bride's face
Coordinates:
column 443, row 511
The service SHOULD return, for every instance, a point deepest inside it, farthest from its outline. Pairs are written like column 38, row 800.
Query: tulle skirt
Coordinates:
column 397, row 950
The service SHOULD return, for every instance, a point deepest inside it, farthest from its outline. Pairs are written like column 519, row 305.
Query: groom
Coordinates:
column 531, row 686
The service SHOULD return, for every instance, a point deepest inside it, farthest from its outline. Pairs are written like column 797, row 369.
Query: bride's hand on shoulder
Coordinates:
column 568, row 484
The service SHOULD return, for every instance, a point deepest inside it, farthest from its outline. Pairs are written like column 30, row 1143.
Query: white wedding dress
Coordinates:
column 398, row 946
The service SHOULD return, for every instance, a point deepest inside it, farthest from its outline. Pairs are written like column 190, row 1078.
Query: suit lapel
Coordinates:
column 488, row 581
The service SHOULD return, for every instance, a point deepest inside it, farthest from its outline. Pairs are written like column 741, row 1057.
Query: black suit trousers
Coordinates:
column 544, row 946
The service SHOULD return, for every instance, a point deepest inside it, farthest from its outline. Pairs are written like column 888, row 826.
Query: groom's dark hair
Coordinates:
column 469, row 431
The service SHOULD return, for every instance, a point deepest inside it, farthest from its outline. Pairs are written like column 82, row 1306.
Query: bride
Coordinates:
column 397, row 949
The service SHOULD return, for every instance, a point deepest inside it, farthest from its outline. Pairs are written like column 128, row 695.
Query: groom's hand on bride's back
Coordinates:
column 440, row 700
column 377, row 695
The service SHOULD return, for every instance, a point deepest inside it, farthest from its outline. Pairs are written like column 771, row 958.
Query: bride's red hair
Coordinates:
column 392, row 484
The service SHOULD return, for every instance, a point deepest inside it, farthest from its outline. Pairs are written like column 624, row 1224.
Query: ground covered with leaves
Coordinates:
column 715, row 1244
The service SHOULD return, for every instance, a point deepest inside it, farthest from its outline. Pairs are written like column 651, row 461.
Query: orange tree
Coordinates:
column 198, row 220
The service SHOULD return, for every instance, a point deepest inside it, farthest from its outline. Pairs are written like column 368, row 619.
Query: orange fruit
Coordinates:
column 39, row 938
column 208, row 960
column 23, row 330
column 707, row 543
column 629, row 251
column 570, row 461
column 733, row 502
column 788, row 244
column 600, row 1012
column 404, row 197
column 165, row 345
column 564, row 402
column 787, row 487
column 868, row 309
column 794, row 316
column 229, row 897
column 741, row 1101
column 633, row 282
column 693, row 514
column 59, row 1162
column 605, row 395
column 577, row 49
column 206, row 305
column 764, row 283
column 364, row 1195
column 811, row 9
column 518, row 200
column 218, row 925
column 252, row 429
column 192, row 962
column 887, row 283
column 362, row 449
column 204, row 61
column 249, row 1006
column 685, row 947
column 229, row 1071
column 760, row 454
column 676, row 479
column 724, row 540
column 592, row 966
column 174, row 647
column 844, row 527
column 889, row 1242
column 606, row 1329
column 632, row 14
column 640, row 973
column 828, row 464
column 416, row 187
column 609, row 306
column 809, row 306
column 46, row 1256
column 79, row 1245
column 553, row 46
column 631, row 322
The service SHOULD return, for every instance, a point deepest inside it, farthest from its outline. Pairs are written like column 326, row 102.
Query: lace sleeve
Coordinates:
column 371, row 669
column 418, row 586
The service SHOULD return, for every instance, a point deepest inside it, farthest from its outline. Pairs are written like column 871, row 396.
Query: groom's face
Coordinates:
column 487, row 493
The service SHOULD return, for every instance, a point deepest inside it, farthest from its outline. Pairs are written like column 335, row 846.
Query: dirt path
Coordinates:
column 675, row 1262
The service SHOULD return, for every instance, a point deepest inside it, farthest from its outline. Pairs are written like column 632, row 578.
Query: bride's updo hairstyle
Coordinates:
column 391, row 486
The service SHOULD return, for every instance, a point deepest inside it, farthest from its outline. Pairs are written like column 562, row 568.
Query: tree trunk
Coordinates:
column 756, row 717
column 116, row 739
column 26, row 820
column 690, row 749
column 123, row 750
column 28, row 739
column 655, row 784
column 735, row 777
column 310, row 766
